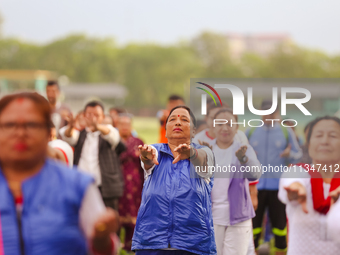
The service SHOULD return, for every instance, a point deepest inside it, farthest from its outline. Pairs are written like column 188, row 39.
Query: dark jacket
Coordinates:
column 109, row 164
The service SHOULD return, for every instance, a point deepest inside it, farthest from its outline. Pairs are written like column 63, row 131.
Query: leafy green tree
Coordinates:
column 152, row 72
column 213, row 51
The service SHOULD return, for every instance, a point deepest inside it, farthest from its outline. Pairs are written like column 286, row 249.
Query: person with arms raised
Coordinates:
column 232, row 207
column 94, row 152
column 307, row 190
column 175, row 213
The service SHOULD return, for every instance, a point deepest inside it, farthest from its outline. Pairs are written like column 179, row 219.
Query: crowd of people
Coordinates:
column 167, row 197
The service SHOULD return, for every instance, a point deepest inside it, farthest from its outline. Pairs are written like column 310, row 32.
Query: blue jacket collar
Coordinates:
column 166, row 149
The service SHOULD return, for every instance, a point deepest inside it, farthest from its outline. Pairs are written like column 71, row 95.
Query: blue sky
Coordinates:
column 312, row 23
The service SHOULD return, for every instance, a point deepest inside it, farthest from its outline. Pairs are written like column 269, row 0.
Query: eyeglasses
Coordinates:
column 29, row 127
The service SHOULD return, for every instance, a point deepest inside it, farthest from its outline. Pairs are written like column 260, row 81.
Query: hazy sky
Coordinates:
column 312, row 23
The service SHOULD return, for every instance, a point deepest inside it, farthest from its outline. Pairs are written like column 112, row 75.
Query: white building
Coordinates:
column 261, row 44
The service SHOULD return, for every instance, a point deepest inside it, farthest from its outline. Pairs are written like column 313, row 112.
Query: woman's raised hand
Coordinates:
column 205, row 144
column 334, row 195
column 183, row 151
column 296, row 191
column 69, row 118
column 241, row 152
column 148, row 154
column 106, row 224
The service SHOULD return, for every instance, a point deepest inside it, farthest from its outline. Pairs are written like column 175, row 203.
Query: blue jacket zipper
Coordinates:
column 21, row 238
column 172, row 202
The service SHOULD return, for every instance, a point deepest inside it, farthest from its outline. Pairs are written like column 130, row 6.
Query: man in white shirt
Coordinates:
column 59, row 110
column 95, row 152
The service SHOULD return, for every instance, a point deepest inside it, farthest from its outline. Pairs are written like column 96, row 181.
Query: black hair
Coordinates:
column 225, row 109
column 53, row 83
column 175, row 98
column 200, row 122
column 314, row 122
column 211, row 107
column 125, row 114
column 118, row 110
column 94, row 104
column 192, row 116
column 267, row 104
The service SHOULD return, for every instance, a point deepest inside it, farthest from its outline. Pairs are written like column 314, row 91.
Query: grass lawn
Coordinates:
column 147, row 129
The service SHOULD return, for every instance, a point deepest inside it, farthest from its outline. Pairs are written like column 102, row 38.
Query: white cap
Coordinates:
column 65, row 148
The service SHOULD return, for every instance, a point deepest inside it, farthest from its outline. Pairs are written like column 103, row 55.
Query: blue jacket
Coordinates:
column 50, row 215
column 175, row 211
column 268, row 143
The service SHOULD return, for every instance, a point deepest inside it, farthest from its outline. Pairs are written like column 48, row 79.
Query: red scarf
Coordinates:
column 320, row 204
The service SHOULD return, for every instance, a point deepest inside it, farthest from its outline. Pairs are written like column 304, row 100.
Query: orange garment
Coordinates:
column 162, row 131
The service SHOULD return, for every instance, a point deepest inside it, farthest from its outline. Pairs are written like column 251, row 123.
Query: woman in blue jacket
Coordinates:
column 45, row 207
column 175, row 213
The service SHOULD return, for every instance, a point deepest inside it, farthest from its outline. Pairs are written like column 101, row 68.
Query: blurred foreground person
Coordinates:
column 306, row 192
column 45, row 208
column 94, row 152
column 133, row 179
column 175, row 214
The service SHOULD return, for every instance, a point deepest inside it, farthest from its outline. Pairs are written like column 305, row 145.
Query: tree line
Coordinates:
column 152, row 72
